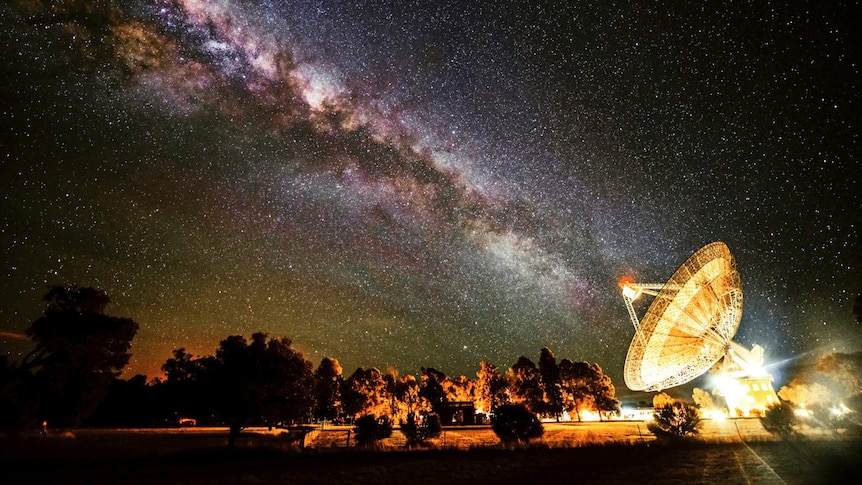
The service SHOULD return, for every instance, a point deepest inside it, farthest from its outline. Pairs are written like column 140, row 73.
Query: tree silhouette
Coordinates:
column 584, row 386
column 128, row 403
column 575, row 380
column 459, row 389
column 188, row 389
column 365, row 393
column 418, row 429
column 432, row 391
column 182, row 367
column 406, row 397
column 702, row 398
column 525, row 385
column 17, row 400
column 79, row 351
column 514, row 424
column 393, row 388
column 491, row 388
column 675, row 420
column 370, row 429
column 551, row 385
column 662, row 399
column 604, row 393
column 835, row 378
column 327, row 389
column 260, row 380
column 779, row 419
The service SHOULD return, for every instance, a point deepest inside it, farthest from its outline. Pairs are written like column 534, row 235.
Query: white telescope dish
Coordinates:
column 690, row 323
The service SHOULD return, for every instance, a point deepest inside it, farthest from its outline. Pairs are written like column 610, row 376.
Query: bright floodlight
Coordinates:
column 690, row 323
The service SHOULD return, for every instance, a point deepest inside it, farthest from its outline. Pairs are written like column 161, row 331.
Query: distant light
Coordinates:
column 629, row 291
column 716, row 414
column 590, row 416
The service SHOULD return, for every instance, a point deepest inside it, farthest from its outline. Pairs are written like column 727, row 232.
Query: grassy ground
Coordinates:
column 585, row 453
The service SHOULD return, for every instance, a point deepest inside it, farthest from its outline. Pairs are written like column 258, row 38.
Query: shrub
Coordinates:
column 417, row 432
column 514, row 424
column 675, row 420
column 779, row 419
column 370, row 429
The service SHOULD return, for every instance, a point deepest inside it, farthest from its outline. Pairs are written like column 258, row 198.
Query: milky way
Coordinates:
column 428, row 183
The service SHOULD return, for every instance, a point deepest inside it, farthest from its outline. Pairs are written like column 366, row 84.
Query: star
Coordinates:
column 432, row 186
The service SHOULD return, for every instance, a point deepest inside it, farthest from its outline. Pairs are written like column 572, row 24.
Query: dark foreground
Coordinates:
column 89, row 461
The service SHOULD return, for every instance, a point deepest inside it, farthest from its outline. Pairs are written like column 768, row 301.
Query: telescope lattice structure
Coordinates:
column 689, row 324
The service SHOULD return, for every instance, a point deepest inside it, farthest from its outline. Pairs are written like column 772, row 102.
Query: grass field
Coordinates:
column 727, row 452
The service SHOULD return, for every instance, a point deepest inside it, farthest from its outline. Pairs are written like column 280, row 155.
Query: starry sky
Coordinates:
column 428, row 183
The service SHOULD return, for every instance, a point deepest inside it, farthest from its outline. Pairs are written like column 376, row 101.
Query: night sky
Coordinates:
column 407, row 184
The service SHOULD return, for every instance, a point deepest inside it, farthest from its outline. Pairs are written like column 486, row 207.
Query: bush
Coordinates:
column 370, row 429
column 675, row 420
column 514, row 424
column 779, row 419
column 418, row 432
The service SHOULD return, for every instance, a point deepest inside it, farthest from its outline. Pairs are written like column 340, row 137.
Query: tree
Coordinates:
column 576, row 386
column 401, row 395
column 779, row 419
column 182, row 367
column 433, row 392
column 843, row 371
column 550, row 378
column 675, row 420
column 17, row 402
column 187, row 390
column 407, row 398
column 662, row 399
column 79, row 351
column 514, row 424
column 459, row 389
column 417, row 429
column 603, row 392
column 128, row 403
column 371, row 429
column 327, row 389
column 834, row 378
column 260, row 380
column 491, row 388
column 525, row 385
column 703, row 399
column 365, row 393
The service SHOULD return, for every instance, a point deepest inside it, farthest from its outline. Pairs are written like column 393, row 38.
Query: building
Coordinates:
column 748, row 396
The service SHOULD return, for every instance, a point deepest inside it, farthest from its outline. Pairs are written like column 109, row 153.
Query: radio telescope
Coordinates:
column 690, row 323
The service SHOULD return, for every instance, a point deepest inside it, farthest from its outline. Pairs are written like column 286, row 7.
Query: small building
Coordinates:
column 459, row 413
column 629, row 412
column 749, row 396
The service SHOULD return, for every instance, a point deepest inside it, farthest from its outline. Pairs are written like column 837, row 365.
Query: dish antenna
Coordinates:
column 690, row 323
